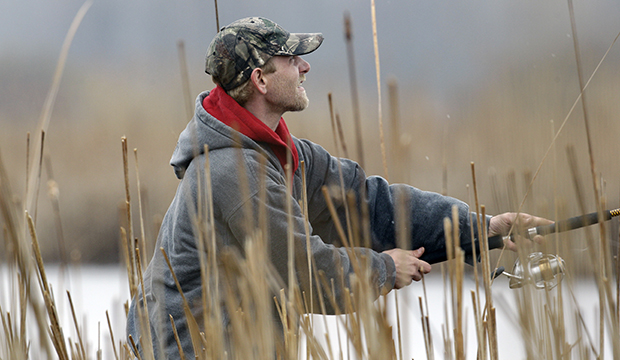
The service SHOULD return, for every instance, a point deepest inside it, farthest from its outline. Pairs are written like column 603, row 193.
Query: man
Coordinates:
column 258, row 70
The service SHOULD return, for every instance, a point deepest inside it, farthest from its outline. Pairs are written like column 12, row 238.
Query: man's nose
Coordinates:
column 304, row 66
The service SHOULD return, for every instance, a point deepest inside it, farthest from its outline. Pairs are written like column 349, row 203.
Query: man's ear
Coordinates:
column 258, row 79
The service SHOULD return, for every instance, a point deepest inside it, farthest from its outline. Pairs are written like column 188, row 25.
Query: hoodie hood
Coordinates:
column 204, row 129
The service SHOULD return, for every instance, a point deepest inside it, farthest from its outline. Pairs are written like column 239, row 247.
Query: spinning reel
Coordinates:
column 545, row 271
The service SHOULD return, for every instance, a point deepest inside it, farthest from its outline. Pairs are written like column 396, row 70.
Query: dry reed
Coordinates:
column 348, row 31
column 543, row 317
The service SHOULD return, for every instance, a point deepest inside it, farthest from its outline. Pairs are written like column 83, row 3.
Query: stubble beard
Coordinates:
column 302, row 102
column 290, row 99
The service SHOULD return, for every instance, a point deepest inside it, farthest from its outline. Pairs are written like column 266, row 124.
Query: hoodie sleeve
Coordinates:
column 424, row 210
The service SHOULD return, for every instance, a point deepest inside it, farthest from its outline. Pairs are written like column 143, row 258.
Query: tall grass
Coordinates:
column 548, row 318
column 551, row 321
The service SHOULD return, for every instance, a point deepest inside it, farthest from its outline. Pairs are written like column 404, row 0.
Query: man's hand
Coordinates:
column 501, row 224
column 408, row 266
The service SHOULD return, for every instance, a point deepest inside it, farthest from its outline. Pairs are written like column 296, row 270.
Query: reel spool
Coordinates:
column 542, row 271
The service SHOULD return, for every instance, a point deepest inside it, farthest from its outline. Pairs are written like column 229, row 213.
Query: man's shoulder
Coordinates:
column 226, row 165
column 308, row 149
column 232, row 176
column 223, row 160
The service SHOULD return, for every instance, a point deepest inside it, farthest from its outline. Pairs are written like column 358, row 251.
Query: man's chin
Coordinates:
column 301, row 105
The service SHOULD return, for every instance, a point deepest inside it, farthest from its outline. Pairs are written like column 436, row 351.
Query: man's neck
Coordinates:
column 258, row 109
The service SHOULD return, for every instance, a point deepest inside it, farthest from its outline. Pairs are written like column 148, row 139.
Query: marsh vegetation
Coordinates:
column 523, row 128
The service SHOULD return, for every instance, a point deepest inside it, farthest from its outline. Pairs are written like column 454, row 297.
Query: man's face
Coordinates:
column 285, row 92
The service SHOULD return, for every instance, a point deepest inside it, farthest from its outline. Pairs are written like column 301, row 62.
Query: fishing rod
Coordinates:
column 558, row 226
column 544, row 271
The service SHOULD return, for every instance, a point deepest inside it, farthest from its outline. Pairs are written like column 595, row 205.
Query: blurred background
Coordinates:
column 481, row 81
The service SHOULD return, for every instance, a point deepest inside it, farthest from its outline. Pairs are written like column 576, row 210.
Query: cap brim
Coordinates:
column 301, row 44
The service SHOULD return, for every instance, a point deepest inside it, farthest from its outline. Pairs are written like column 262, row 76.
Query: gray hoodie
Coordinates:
column 235, row 191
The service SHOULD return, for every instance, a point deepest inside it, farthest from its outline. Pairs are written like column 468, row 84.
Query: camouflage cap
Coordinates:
column 249, row 43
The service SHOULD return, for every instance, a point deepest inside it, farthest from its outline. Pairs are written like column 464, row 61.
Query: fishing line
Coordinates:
column 529, row 187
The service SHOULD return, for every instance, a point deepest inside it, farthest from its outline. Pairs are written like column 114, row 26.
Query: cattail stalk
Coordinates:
column 143, row 313
column 176, row 338
column 217, row 17
column 142, row 232
column 82, row 352
column 58, row 338
column 378, row 71
column 194, row 331
column 130, row 238
column 354, row 96
column 111, row 335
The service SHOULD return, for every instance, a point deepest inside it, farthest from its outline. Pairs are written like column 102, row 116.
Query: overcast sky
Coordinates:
column 442, row 43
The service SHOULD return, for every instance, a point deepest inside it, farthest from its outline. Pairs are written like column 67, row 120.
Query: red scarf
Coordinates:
column 224, row 108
